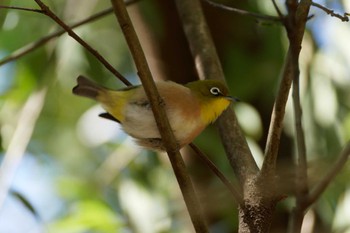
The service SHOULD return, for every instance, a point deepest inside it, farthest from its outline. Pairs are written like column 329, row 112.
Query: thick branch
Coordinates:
column 162, row 121
column 256, row 212
column 208, row 67
column 48, row 12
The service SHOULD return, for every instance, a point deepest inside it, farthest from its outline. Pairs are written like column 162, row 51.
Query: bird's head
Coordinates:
column 213, row 96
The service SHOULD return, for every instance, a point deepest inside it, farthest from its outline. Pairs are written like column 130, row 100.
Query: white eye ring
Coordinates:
column 215, row 91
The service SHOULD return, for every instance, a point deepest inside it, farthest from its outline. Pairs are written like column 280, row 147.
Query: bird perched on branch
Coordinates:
column 189, row 108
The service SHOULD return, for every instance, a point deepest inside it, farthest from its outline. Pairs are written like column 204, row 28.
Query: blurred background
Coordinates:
column 64, row 169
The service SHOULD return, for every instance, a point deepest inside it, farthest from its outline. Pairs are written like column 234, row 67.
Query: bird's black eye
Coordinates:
column 215, row 91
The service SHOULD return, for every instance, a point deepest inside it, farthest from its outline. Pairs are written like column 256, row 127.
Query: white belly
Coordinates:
column 182, row 110
column 144, row 126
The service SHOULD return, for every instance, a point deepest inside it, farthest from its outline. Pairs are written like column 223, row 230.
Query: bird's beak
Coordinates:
column 233, row 99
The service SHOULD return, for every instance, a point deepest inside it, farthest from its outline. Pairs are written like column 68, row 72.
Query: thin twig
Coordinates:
column 245, row 13
column 22, row 9
column 168, row 138
column 280, row 15
column 326, row 180
column 71, row 33
column 312, row 197
column 296, row 28
column 235, row 193
column 343, row 18
column 300, row 137
column 42, row 41
column 302, row 188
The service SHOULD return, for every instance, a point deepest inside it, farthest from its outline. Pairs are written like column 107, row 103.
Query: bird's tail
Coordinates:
column 87, row 88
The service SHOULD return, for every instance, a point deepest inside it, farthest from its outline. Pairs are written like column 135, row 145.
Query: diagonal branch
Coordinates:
column 329, row 176
column 48, row 12
column 305, row 201
column 208, row 66
column 166, row 133
column 280, row 15
column 276, row 123
column 235, row 193
column 42, row 41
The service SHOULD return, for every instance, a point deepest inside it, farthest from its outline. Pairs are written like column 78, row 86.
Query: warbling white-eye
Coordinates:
column 190, row 108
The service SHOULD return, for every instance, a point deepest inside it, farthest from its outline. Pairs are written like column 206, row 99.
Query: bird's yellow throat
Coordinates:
column 210, row 110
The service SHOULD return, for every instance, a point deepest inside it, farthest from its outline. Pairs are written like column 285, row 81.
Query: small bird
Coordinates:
column 190, row 108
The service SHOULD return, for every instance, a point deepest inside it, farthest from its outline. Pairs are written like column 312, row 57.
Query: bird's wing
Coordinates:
column 108, row 116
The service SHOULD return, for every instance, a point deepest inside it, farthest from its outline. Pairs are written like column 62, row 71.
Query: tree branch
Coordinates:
column 331, row 174
column 162, row 121
column 307, row 200
column 276, row 123
column 302, row 188
column 280, row 15
column 71, row 33
column 237, row 194
column 42, row 41
column 243, row 12
column 330, row 12
column 208, row 66
column 295, row 27
column 255, row 213
column 21, row 9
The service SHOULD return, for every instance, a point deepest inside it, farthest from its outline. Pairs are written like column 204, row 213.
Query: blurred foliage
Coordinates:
column 82, row 174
